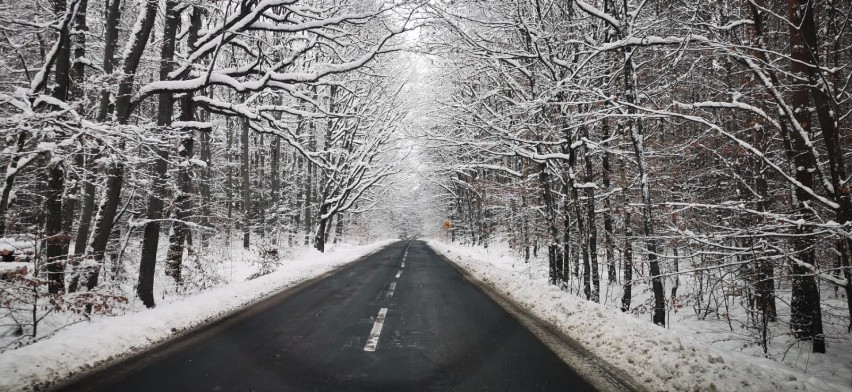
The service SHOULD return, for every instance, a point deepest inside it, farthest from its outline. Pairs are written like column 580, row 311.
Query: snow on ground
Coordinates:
column 660, row 359
column 86, row 344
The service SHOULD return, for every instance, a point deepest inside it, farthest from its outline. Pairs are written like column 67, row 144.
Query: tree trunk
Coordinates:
column 57, row 242
column 319, row 238
column 821, row 92
column 309, row 185
column 154, row 213
column 181, row 232
column 246, row 185
column 338, row 229
column 72, row 194
column 9, row 179
column 275, row 187
column 229, row 172
column 550, row 214
column 87, row 209
column 115, row 175
column 805, row 311
column 182, row 206
column 112, row 17
column 592, row 230
column 609, row 240
column 626, row 297
column 637, row 139
column 566, row 238
column 765, row 270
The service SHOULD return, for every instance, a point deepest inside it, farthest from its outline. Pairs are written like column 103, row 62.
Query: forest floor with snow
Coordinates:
column 68, row 344
column 689, row 355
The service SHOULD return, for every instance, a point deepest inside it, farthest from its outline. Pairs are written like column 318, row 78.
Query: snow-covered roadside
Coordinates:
column 84, row 345
column 658, row 358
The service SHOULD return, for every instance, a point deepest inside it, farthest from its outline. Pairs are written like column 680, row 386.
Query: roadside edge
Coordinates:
column 593, row 369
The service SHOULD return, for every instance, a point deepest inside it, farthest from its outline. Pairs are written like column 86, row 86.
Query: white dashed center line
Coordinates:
column 391, row 289
column 398, row 274
column 403, row 265
column 373, row 341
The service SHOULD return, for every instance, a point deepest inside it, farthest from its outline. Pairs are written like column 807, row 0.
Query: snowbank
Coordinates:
column 658, row 358
column 82, row 346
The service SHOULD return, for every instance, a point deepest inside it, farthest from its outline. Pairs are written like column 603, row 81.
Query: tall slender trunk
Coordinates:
column 525, row 220
column 637, row 139
column 296, row 206
column 583, row 239
column 57, row 242
column 181, row 232
column 627, row 254
column 275, row 187
column 553, row 248
column 159, row 169
column 206, row 155
column 765, row 270
column 566, row 238
column 609, row 240
column 246, row 185
column 71, row 201
column 805, row 312
column 57, row 245
column 115, row 174
column 86, row 210
column 309, row 184
column 592, row 230
column 112, row 17
column 229, row 172
column 258, row 183
column 821, row 92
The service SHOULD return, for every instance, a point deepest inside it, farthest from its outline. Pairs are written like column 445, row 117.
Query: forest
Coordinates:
column 662, row 156
column 694, row 150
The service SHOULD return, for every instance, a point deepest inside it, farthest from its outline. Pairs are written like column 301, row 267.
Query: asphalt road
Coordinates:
column 401, row 319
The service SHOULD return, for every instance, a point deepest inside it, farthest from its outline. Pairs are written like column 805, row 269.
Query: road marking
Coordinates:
column 403, row 265
column 392, row 288
column 398, row 274
column 373, row 340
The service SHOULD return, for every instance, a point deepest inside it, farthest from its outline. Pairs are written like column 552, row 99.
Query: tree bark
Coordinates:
column 592, row 230
column 627, row 255
column 550, row 214
column 821, row 93
column 805, row 311
column 609, row 240
column 159, row 169
column 115, row 175
column 112, row 18
column 9, row 179
column 57, row 242
column 246, row 185
column 637, row 139
column 181, row 232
